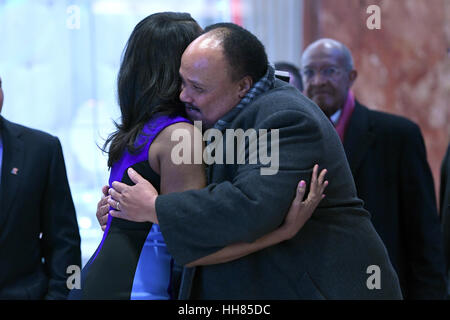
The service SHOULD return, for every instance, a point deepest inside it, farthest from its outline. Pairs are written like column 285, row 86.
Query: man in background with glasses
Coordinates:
column 387, row 157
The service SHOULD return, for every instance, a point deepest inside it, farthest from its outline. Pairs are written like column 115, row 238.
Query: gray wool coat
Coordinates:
column 334, row 254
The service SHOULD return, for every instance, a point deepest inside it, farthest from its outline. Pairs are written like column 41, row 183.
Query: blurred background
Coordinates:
column 59, row 62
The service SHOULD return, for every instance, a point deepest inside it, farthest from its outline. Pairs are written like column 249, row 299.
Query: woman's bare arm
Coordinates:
column 299, row 212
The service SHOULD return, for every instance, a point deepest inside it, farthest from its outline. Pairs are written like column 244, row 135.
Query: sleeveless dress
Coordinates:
column 132, row 261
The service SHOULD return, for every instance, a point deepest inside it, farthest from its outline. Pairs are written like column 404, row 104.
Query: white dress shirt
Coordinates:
column 335, row 117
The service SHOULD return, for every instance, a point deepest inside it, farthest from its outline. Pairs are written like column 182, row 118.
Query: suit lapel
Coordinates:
column 358, row 137
column 11, row 175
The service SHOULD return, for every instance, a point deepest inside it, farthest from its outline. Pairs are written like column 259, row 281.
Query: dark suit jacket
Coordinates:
column 445, row 207
column 35, row 200
column 328, row 258
column 388, row 160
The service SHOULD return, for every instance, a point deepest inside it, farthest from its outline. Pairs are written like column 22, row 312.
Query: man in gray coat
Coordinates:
column 228, row 85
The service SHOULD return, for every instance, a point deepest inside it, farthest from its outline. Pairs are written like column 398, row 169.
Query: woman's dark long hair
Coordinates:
column 148, row 79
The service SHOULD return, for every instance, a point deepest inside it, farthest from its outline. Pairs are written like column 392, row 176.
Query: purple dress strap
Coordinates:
column 150, row 131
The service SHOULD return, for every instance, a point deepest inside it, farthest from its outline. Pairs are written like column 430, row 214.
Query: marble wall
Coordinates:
column 404, row 67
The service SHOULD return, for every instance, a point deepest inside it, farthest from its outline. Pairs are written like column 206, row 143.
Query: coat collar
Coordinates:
column 12, row 162
column 359, row 136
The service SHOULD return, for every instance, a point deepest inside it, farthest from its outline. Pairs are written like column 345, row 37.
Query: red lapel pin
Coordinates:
column 15, row 171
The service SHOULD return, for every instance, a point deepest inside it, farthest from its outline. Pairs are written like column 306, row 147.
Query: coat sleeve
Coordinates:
column 421, row 227
column 444, row 183
column 445, row 209
column 60, row 234
column 199, row 222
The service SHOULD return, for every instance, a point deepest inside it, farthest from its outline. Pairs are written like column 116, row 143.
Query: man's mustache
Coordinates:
column 190, row 106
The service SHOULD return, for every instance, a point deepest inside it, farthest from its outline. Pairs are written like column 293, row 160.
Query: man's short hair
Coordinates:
column 245, row 53
column 346, row 54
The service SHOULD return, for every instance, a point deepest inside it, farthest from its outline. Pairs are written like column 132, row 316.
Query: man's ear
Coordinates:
column 244, row 85
column 352, row 76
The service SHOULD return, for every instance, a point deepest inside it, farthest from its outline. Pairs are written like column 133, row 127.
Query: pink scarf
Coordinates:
column 346, row 114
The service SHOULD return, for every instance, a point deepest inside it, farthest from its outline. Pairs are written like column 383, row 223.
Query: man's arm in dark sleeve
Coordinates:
column 60, row 234
column 422, row 231
column 199, row 222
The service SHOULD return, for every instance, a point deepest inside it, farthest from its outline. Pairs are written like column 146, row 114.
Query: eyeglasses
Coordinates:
column 329, row 72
